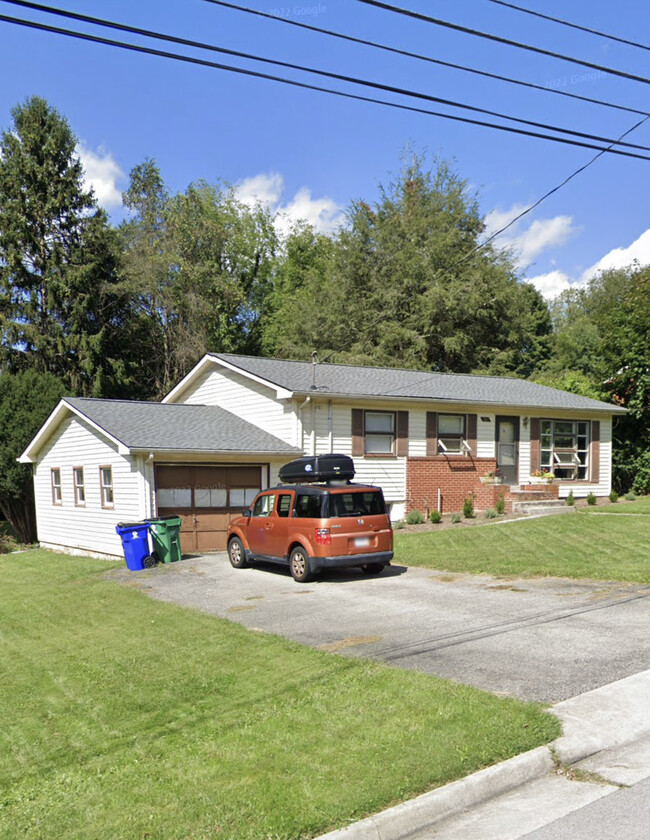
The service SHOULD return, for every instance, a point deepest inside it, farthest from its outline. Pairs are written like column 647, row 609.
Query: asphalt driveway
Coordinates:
column 545, row 639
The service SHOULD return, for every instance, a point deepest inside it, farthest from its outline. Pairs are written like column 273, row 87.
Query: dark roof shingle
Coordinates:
column 168, row 427
column 395, row 383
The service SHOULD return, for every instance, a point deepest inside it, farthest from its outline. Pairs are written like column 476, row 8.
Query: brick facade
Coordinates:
column 456, row 476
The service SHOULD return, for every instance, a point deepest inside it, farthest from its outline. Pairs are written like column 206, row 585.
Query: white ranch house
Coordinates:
column 223, row 432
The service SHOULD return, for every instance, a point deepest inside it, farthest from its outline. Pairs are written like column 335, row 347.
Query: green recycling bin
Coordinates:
column 166, row 536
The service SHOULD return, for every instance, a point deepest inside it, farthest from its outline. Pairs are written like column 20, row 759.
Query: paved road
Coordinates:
column 544, row 640
column 609, row 802
column 624, row 814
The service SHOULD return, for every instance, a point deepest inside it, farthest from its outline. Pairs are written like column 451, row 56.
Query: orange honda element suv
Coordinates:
column 328, row 523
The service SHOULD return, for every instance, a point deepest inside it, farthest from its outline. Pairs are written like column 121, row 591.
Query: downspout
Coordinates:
column 330, row 429
column 302, row 427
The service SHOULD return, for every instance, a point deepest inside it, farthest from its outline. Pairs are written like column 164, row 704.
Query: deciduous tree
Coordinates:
column 404, row 284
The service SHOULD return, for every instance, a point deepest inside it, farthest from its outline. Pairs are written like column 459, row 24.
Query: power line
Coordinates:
column 301, row 68
column 493, row 236
column 501, row 40
column 418, row 56
column 338, row 76
column 571, row 25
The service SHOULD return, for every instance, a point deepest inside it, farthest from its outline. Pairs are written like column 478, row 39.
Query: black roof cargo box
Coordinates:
column 318, row 468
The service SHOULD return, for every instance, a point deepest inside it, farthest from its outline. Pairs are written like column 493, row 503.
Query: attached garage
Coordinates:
column 206, row 497
column 197, row 461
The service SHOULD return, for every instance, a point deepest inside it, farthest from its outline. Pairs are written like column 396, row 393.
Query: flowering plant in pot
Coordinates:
column 543, row 475
column 492, row 477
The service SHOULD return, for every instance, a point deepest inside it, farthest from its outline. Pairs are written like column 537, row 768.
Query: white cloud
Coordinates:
column 496, row 219
column 538, row 237
column 266, row 188
column 102, row 173
column 324, row 214
column 550, row 285
column 638, row 251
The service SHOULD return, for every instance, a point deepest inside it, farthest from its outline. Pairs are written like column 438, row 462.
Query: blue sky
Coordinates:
column 310, row 154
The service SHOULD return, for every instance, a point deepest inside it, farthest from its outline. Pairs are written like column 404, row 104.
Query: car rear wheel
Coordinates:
column 372, row 568
column 299, row 565
column 236, row 554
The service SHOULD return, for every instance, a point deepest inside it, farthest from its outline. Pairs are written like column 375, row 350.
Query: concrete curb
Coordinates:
column 606, row 717
column 430, row 808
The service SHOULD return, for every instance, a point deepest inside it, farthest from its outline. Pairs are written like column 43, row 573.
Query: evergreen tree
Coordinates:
column 60, row 308
column 26, row 400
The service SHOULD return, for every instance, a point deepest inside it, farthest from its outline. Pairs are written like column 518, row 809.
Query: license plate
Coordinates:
column 362, row 542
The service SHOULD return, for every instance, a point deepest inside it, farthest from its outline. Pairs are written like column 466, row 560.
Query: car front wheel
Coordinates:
column 236, row 554
column 299, row 565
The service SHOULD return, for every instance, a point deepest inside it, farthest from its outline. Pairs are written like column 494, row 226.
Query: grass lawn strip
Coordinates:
column 639, row 507
column 127, row 717
column 580, row 545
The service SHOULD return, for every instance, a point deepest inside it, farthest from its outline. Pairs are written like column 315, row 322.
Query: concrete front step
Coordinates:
column 532, row 495
column 542, row 507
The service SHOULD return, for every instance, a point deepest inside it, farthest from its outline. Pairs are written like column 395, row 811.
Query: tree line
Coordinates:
column 90, row 308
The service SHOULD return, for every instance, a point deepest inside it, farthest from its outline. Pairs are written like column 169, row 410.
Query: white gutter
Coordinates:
column 355, row 398
column 301, row 431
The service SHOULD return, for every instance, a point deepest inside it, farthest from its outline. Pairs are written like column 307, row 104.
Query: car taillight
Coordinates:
column 323, row 536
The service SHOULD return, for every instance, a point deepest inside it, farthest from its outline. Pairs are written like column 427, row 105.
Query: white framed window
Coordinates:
column 55, row 479
column 379, row 432
column 451, row 434
column 106, row 486
column 79, row 486
column 564, row 448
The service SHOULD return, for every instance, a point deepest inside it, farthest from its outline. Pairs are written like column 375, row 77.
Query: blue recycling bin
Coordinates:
column 135, row 543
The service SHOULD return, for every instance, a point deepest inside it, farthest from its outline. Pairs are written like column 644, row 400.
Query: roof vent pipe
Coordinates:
column 314, row 362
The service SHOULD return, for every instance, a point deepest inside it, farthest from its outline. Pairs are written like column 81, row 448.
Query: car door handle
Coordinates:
column 269, row 526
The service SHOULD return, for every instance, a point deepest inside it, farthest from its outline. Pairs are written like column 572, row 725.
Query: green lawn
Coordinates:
column 123, row 717
column 639, row 507
column 585, row 544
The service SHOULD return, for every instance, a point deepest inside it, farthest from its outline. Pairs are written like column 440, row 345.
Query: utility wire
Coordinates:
column 325, row 73
column 407, row 53
column 305, row 86
column 500, row 40
column 489, row 240
column 570, row 24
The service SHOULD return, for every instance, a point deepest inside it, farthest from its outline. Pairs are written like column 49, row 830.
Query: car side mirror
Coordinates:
column 247, row 513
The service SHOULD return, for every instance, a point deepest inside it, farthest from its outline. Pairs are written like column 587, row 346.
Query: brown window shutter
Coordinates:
column 594, row 452
column 358, row 447
column 472, row 422
column 402, row 442
column 432, row 433
column 535, row 454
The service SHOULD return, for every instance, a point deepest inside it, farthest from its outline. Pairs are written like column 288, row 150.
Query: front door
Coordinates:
column 507, row 444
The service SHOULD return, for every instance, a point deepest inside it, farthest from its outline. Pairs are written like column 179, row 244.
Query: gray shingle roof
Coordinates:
column 394, row 383
column 167, row 427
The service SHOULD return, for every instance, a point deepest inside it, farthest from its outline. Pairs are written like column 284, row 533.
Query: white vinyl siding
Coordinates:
column 91, row 527
column 246, row 399
column 485, row 436
column 389, row 473
column 524, row 451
